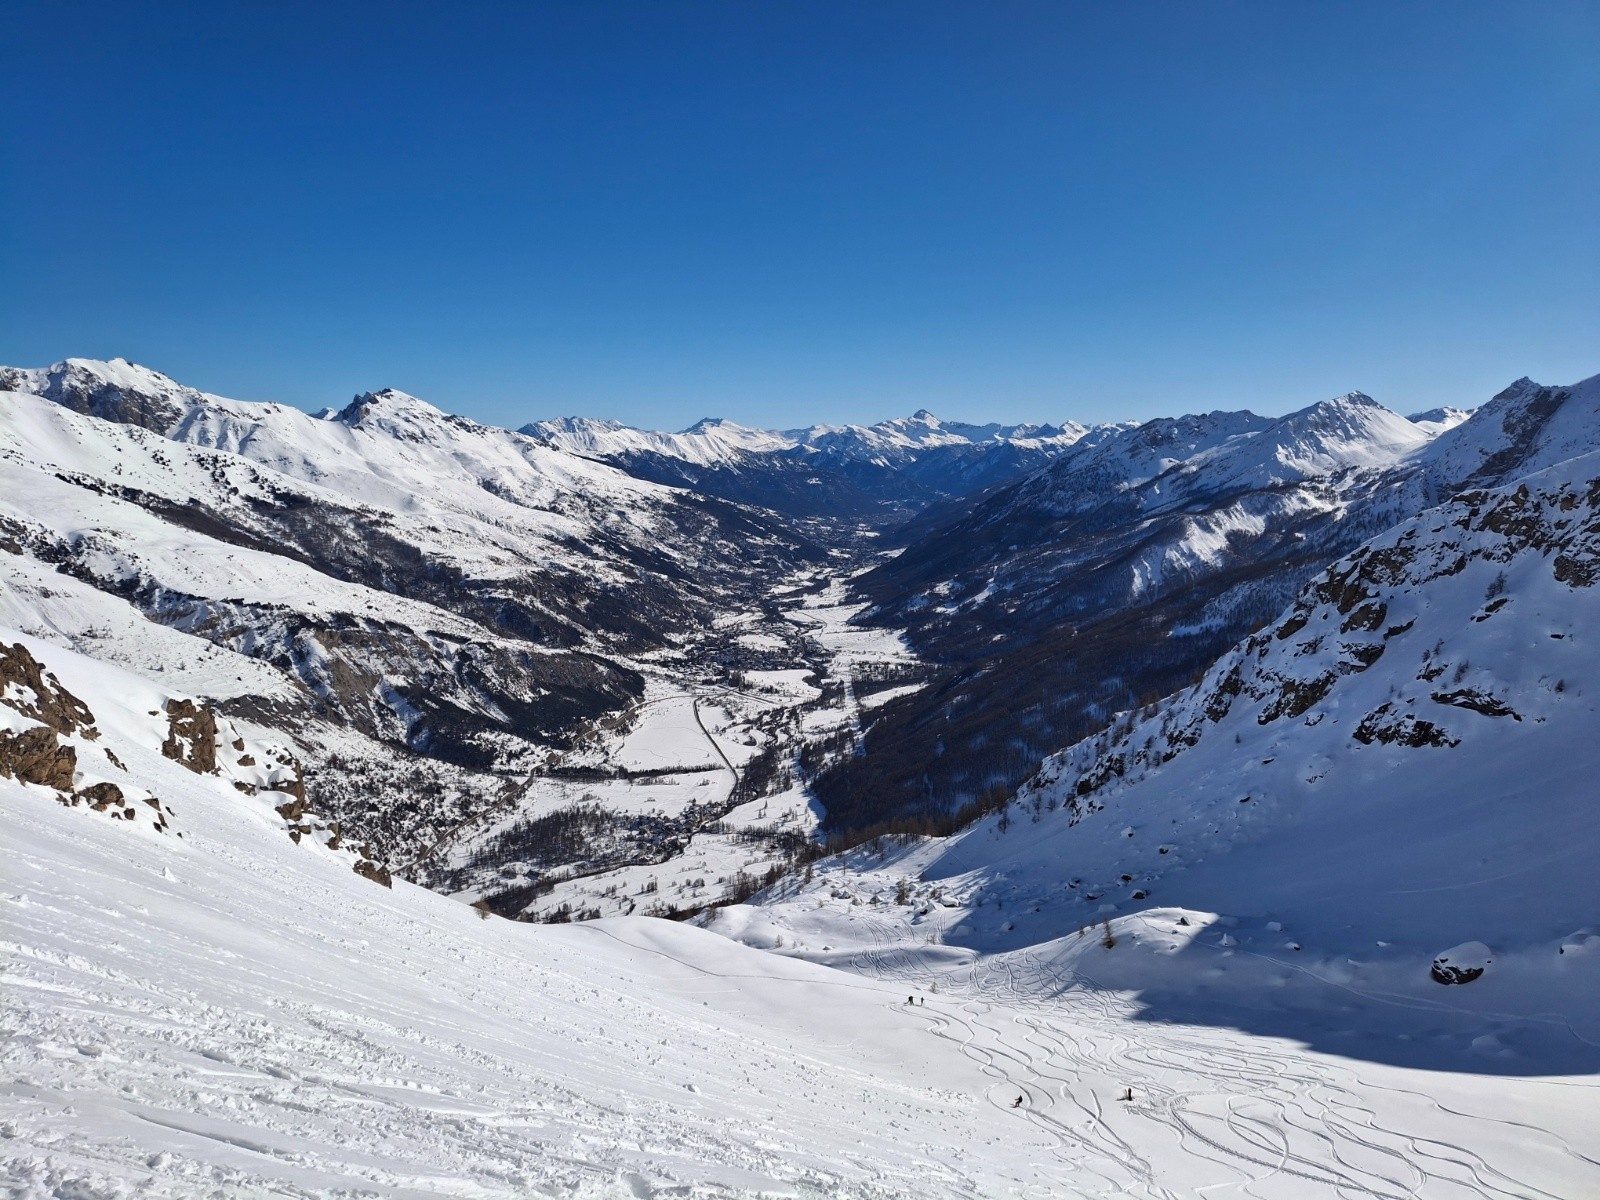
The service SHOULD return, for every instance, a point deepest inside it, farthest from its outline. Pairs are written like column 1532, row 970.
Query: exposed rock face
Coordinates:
column 191, row 736
column 1391, row 727
column 37, row 756
column 1478, row 702
column 115, row 391
column 37, row 694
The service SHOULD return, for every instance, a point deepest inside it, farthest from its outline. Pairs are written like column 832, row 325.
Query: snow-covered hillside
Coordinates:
column 429, row 608
column 216, row 1008
column 1404, row 755
column 1401, row 766
column 1367, row 838
column 1124, row 567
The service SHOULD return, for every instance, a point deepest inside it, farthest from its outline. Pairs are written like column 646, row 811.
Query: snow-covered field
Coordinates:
column 1215, row 1111
column 236, row 1015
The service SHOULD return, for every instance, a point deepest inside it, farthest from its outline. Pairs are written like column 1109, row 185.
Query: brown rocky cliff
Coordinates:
column 42, row 697
column 36, row 755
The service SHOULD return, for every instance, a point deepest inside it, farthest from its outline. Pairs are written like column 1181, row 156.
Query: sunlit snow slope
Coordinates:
column 230, row 1012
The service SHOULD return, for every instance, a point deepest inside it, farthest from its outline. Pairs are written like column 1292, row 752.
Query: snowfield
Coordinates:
column 233, row 1014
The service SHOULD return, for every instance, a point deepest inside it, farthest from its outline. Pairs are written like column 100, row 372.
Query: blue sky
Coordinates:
column 793, row 212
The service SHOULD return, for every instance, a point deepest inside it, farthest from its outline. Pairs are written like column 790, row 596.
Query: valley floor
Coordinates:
column 669, row 771
column 235, row 1015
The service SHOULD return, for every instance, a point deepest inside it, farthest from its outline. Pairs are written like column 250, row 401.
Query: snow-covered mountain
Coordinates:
column 1125, row 566
column 1438, row 420
column 415, row 595
column 1195, row 488
column 875, row 473
column 705, row 443
column 717, row 440
column 905, row 439
column 1311, row 926
column 1526, row 427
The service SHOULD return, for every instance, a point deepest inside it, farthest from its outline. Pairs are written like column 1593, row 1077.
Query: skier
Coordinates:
column 1018, row 1104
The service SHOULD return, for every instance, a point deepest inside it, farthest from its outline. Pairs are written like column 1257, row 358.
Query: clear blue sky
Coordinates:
column 786, row 212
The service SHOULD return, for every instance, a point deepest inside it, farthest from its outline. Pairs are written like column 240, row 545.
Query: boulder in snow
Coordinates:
column 1461, row 964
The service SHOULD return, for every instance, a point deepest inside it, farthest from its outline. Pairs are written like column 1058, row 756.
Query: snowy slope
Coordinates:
column 1402, row 763
column 232, row 1012
column 1366, row 837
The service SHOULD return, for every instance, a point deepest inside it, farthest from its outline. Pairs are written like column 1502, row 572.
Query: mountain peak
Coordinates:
column 719, row 424
column 1517, row 388
column 386, row 406
column 1352, row 406
column 111, row 389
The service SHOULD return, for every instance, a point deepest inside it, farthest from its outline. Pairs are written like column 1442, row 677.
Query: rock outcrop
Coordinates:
column 191, row 736
column 1461, row 964
column 38, row 695
column 36, row 755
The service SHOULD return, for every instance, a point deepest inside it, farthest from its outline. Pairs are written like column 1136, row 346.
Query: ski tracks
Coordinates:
column 1271, row 1121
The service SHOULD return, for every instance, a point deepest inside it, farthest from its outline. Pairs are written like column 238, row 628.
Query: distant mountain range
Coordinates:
column 878, row 474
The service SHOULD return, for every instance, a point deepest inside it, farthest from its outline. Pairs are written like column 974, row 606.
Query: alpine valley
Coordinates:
column 400, row 806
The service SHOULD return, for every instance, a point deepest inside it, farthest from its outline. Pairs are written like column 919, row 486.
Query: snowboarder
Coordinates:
column 1127, row 1094
column 911, row 999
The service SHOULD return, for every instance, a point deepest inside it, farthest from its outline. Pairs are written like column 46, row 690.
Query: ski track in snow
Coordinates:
column 1295, row 1119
